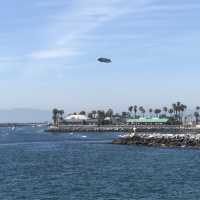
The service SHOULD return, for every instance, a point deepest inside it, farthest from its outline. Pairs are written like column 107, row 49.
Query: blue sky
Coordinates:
column 48, row 52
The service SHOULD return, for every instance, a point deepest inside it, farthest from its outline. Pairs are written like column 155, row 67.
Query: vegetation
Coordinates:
column 157, row 112
column 57, row 116
column 130, row 109
column 150, row 112
column 175, row 113
column 197, row 115
column 142, row 110
column 135, row 110
column 101, row 116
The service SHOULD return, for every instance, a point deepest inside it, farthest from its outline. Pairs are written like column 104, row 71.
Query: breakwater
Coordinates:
column 37, row 124
column 120, row 128
column 161, row 140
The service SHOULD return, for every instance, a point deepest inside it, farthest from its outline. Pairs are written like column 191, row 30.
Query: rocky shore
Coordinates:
column 161, row 140
column 120, row 128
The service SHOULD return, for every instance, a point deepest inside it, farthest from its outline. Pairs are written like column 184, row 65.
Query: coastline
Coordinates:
column 33, row 124
column 189, row 140
column 122, row 128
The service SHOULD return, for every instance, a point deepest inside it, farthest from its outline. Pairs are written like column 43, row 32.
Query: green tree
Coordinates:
column 61, row 113
column 100, row 117
column 165, row 109
column 170, row 111
column 55, row 116
column 175, row 110
column 150, row 111
column 178, row 111
column 181, row 113
column 130, row 109
column 142, row 110
column 109, row 113
column 82, row 112
column 157, row 112
column 135, row 110
column 90, row 115
column 196, row 115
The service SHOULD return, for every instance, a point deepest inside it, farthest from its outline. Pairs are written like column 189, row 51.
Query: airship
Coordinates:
column 104, row 60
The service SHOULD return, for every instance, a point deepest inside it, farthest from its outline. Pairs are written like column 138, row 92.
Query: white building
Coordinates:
column 79, row 120
column 76, row 117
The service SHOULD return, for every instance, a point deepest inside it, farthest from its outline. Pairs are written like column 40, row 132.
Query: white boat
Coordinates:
column 132, row 134
column 13, row 128
column 124, row 136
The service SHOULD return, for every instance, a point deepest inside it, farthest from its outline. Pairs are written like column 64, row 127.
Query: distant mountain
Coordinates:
column 24, row 115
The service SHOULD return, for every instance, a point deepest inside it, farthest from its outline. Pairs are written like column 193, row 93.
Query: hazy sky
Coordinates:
column 48, row 52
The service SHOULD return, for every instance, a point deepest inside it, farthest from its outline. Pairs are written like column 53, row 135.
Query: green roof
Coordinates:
column 148, row 120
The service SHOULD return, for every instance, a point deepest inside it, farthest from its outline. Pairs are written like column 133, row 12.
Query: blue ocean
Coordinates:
column 36, row 165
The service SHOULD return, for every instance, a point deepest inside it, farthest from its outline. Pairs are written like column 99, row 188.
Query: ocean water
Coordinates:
column 35, row 165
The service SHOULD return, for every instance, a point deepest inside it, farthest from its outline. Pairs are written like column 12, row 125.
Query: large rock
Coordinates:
column 162, row 140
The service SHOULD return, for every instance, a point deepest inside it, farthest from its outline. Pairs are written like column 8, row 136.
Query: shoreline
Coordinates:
column 122, row 128
column 31, row 124
column 181, row 140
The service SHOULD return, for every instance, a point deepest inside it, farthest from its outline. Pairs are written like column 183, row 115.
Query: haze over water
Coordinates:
column 37, row 165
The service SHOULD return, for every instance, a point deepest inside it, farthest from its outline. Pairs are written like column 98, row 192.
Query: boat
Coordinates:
column 13, row 128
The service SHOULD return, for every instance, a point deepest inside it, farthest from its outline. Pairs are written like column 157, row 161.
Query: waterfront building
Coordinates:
column 79, row 120
column 147, row 121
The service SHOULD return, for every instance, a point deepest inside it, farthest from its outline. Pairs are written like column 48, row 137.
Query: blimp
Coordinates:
column 104, row 60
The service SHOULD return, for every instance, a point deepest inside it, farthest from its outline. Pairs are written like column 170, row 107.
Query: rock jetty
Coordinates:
column 161, row 140
column 120, row 128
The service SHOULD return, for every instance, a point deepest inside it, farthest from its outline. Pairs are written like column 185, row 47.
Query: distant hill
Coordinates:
column 24, row 115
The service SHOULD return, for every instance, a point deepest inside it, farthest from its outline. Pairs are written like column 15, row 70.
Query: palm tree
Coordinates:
column 182, row 110
column 174, row 106
column 135, row 110
column 100, row 116
column 61, row 112
column 178, row 109
column 150, row 111
column 60, row 116
column 55, row 116
column 109, row 113
column 165, row 109
column 82, row 112
column 157, row 112
column 130, row 109
column 142, row 110
column 196, row 115
column 90, row 115
column 170, row 111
